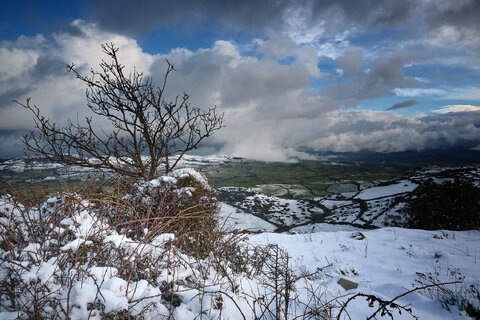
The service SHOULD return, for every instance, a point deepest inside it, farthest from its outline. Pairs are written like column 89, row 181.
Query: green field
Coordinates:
column 304, row 179
column 314, row 176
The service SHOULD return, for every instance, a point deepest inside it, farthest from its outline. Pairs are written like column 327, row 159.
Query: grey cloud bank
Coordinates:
column 329, row 16
column 143, row 15
column 384, row 75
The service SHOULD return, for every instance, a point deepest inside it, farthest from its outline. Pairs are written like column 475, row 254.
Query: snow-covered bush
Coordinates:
column 71, row 258
column 181, row 202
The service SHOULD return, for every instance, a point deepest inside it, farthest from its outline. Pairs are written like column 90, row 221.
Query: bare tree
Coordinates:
column 147, row 130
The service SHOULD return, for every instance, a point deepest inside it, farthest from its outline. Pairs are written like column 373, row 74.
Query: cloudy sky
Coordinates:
column 324, row 75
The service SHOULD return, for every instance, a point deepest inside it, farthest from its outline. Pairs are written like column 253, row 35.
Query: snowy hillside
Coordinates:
column 70, row 260
column 372, row 206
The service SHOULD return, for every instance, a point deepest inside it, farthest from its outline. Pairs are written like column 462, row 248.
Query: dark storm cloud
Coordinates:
column 269, row 111
column 141, row 16
column 360, row 126
column 46, row 66
column 386, row 73
column 368, row 12
column 456, row 13
column 270, row 105
column 10, row 142
column 352, row 61
column 222, row 75
column 389, row 68
column 455, row 22
column 404, row 104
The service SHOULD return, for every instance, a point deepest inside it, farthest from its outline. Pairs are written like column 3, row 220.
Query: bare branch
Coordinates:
column 146, row 131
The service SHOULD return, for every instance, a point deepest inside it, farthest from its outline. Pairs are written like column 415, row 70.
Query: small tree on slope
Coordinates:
column 147, row 130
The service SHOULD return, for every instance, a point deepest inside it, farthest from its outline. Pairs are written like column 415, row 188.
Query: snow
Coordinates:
column 31, row 248
column 43, row 272
column 22, row 164
column 117, row 239
column 385, row 262
column 331, row 204
column 75, row 244
column 114, row 292
column 192, row 173
column 384, row 191
column 162, row 238
column 323, row 227
column 102, row 273
column 276, row 210
column 179, row 174
column 172, row 179
column 165, row 179
column 382, row 208
column 236, row 219
column 84, row 224
column 205, row 160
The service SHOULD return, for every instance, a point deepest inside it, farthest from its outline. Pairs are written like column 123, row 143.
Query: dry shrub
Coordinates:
column 181, row 203
column 463, row 293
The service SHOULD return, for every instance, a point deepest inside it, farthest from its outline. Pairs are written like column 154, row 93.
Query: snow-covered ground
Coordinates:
column 22, row 164
column 234, row 219
column 388, row 190
column 372, row 206
column 386, row 262
column 206, row 160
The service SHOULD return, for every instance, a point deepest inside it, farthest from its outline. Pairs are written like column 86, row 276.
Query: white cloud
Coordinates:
column 298, row 26
column 457, row 108
column 385, row 132
column 86, row 48
column 57, row 93
column 15, row 61
column 462, row 93
column 258, row 95
column 418, row 92
column 347, row 131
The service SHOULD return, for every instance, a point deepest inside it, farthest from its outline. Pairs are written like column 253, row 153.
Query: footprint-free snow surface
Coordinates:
column 388, row 262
